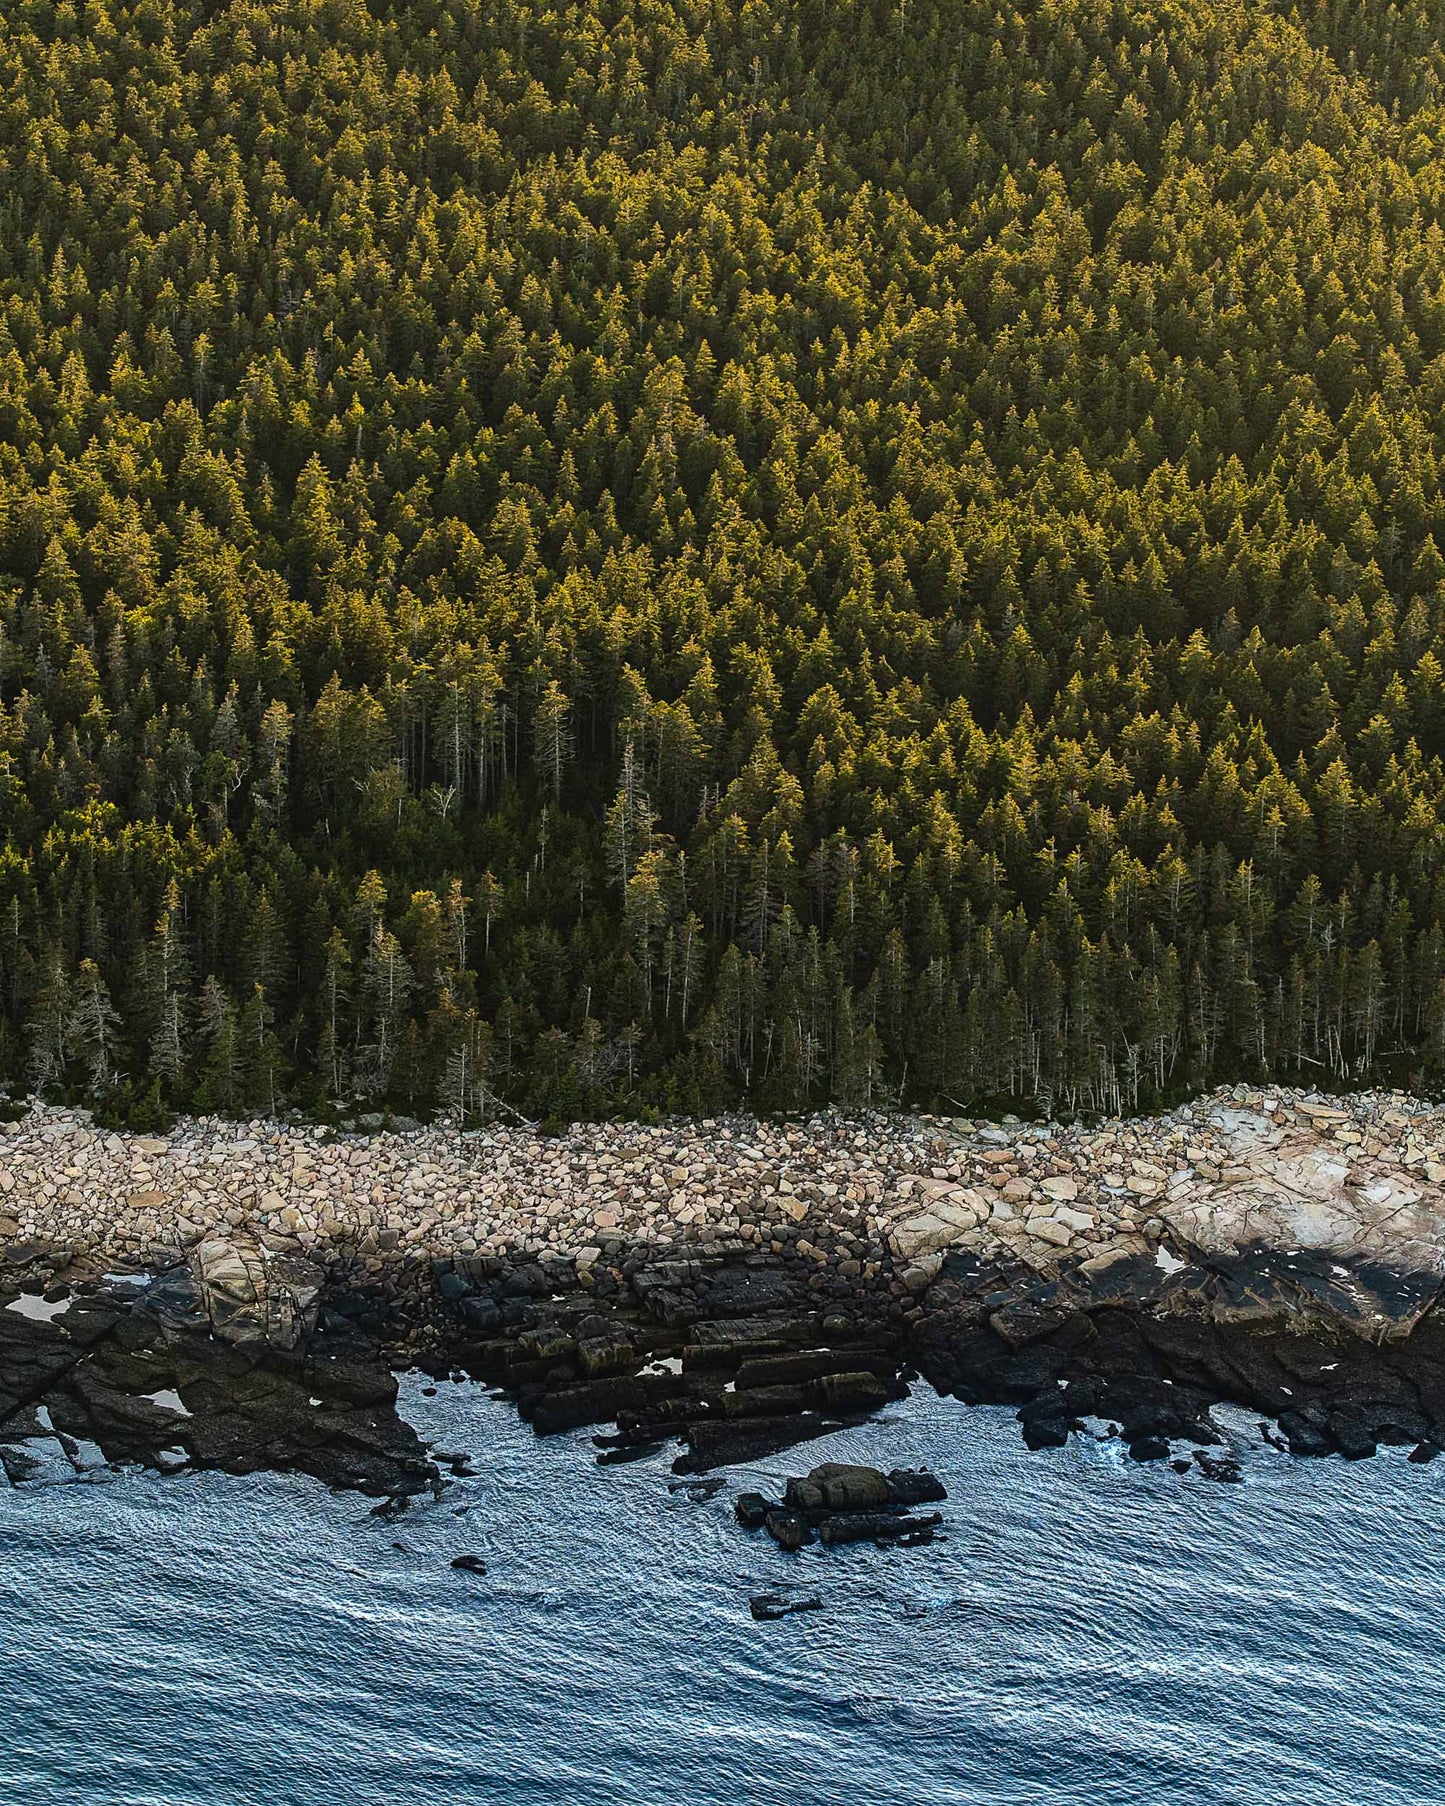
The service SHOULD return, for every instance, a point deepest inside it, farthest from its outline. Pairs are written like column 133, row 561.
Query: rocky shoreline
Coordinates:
column 237, row 1295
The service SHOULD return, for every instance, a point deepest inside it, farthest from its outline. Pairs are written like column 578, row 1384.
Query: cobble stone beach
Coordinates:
column 867, row 1194
column 878, row 1199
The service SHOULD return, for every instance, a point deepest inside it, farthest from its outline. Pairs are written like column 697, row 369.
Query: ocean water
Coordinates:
column 1091, row 1631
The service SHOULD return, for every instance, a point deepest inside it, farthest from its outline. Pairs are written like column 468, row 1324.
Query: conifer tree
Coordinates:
column 94, row 1029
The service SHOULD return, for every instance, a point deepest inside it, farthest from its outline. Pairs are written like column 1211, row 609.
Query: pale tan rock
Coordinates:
column 251, row 1296
column 1078, row 1221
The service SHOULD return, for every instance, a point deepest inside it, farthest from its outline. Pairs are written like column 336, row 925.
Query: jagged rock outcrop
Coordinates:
column 738, row 1287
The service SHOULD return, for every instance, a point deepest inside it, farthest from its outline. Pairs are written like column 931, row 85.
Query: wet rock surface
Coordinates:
column 839, row 1503
column 142, row 1371
column 1145, row 1346
column 768, row 1607
column 1151, row 1352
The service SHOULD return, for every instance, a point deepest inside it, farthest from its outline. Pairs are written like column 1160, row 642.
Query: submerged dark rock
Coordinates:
column 751, row 1510
column 712, row 1444
column 636, row 1451
column 766, row 1607
column 915, row 1486
column 874, row 1526
column 790, row 1530
column 699, row 1491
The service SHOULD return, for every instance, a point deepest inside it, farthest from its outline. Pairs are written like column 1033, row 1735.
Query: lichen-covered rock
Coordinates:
column 847, row 1487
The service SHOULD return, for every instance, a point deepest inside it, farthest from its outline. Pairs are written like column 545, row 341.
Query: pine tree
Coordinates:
column 335, row 996
column 490, row 897
column 464, row 1093
column 221, row 1036
column 553, row 735
column 49, row 1028
column 386, row 985
column 94, row 1028
column 263, row 1062
column 162, row 993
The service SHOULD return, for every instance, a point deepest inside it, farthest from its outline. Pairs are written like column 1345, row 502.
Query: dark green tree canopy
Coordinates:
column 639, row 555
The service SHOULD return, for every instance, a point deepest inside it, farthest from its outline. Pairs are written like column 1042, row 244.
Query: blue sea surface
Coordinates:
column 1091, row 1631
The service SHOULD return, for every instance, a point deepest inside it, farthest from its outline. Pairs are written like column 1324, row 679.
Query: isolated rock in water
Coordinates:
column 848, row 1488
column 915, row 1486
column 835, row 1486
column 767, row 1607
column 846, row 1503
column 876, row 1527
column 253, row 1296
column 802, row 1495
column 620, row 1456
column 470, row 1564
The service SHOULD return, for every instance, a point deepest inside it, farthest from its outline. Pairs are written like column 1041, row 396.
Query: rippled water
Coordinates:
column 1091, row 1631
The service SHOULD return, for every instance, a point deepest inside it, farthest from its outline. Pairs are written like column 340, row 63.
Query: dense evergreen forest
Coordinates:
column 642, row 554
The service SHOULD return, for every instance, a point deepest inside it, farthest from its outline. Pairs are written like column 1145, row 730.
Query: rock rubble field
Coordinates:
column 878, row 1199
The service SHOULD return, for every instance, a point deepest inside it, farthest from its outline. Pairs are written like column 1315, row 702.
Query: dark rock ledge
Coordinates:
column 230, row 1362
column 1342, row 1357
column 278, row 1364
